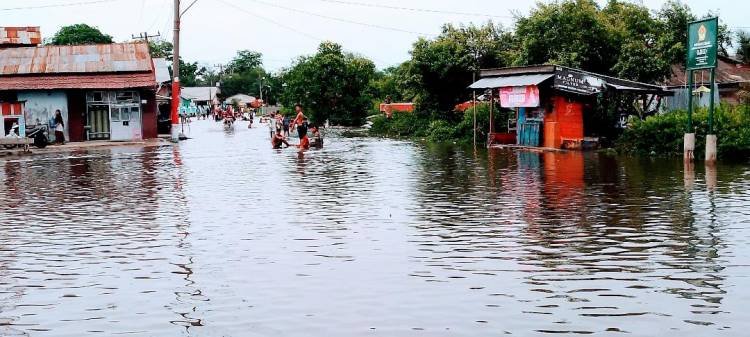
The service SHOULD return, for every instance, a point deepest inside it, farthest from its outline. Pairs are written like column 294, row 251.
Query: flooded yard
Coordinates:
column 223, row 236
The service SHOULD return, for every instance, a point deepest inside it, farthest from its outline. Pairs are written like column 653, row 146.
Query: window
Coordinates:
column 115, row 114
column 126, row 97
column 124, row 114
column 97, row 97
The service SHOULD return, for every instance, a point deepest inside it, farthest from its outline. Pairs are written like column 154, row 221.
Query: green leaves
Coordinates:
column 331, row 85
column 79, row 34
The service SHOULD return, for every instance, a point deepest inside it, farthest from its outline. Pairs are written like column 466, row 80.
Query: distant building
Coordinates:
column 730, row 75
column 105, row 92
column 201, row 96
column 242, row 100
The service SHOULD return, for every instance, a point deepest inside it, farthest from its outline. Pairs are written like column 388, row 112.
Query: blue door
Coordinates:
column 529, row 126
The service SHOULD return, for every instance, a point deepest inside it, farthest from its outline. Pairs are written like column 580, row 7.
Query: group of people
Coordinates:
column 279, row 127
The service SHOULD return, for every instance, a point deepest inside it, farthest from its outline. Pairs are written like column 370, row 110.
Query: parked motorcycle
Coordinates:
column 38, row 134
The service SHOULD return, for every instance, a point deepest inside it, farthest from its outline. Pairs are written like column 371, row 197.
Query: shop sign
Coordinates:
column 519, row 97
column 577, row 82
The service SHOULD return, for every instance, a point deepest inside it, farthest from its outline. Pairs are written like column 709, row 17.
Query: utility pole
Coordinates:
column 176, row 74
column 144, row 36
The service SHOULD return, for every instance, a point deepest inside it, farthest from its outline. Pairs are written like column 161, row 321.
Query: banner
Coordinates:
column 703, row 44
column 519, row 97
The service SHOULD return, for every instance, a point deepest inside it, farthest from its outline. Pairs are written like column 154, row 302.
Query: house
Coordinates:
column 104, row 92
column 551, row 105
column 243, row 100
column 731, row 75
column 201, row 96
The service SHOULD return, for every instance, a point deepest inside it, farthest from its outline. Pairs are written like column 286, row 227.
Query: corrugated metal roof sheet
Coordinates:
column 102, row 58
column 199, row 93
column 78, row 81
column 20, row 36
column 510, row 81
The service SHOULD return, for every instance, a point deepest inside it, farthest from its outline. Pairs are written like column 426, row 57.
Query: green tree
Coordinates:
column 441, row 69
column 743, row 46
column 161, row 48
column 245, row 61
column 331, row 85
column 568, row 33
column 79, row 34
column 674, row 18
column 642, row 52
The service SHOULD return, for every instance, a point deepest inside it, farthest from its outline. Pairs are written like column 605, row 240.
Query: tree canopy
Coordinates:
column 79, row 34
column 331, row 85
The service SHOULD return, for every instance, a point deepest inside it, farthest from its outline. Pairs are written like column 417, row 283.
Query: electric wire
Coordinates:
column 341, row 19
column 419, row 10
column 81, row 3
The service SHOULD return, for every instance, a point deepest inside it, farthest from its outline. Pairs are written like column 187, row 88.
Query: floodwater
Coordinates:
column 222, row 236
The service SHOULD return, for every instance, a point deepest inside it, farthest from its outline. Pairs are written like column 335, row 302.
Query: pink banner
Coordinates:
column 519, row 97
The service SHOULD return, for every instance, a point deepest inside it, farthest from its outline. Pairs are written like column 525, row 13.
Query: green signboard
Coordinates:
column 703, row 44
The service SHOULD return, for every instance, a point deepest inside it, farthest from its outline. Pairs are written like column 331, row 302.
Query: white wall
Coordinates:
column 42, row 105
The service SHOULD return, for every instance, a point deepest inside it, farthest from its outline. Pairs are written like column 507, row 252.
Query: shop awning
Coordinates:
column 510, row 81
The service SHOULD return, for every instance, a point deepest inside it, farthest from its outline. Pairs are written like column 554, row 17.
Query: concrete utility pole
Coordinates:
column 176, row 74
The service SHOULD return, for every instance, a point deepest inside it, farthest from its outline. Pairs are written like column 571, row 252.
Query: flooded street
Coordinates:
column 223, row 236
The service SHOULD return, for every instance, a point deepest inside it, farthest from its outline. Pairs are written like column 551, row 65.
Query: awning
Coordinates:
column 510, row 81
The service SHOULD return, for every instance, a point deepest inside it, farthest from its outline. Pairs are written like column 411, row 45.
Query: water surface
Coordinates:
column 222, row 236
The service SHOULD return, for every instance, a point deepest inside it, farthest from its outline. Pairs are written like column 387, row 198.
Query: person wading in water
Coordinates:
column 278, row 139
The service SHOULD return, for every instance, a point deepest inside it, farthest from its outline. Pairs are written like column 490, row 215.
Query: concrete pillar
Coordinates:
column 710, row 148
column 689, row 146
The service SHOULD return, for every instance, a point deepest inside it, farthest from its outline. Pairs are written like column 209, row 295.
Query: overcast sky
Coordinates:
column 213, row 30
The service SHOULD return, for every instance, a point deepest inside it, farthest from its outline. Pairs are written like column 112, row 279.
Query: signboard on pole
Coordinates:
column 519, row 97
column 703, row 44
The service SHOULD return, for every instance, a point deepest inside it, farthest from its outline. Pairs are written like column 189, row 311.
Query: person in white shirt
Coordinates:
column 272, row 125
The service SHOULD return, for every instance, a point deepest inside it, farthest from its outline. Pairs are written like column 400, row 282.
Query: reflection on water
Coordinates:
column 223, row 236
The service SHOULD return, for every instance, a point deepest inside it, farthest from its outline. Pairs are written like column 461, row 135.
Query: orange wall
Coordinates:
column 565, row 121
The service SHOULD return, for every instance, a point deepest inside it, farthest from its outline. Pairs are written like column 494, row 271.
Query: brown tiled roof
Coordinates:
column 728, row 71
column 20, row 36
column 103, row 58
column 79, row 81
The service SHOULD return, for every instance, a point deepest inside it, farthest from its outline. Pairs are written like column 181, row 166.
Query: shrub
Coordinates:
column 663, row 134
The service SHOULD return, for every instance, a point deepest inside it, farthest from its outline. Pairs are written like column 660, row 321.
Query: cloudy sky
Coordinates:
column 213, row 30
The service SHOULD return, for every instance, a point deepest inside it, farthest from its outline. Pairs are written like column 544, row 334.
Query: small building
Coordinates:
column 245, row 101
column 104, row 92
column 202, row 97
column 552, row 105
column 731, row 75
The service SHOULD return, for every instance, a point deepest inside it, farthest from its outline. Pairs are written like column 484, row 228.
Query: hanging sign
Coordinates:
column 703, row 44
column 519, row 97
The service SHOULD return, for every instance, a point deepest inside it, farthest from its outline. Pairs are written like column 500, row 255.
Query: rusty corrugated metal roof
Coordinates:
column 102, row 58
column 20, row 36
column 727, row 72
column 79, row 81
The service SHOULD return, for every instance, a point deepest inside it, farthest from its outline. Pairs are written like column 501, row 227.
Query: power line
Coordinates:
column 422, row 10
column 59, row 5
column 341, row 19
column 305, row 34
column 254, row 14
